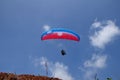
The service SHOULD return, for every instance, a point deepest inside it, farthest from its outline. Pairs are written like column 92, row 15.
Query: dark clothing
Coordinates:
column 63, row 52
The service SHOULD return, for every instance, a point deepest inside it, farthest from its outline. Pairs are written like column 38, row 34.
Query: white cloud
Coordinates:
column 89, row 74
column 46, row 27
column 61, row 71
column 92, row 66
column 106, row 33
column 39, row 61
column 57, row 69
column 103, row 33
column 97, row 61
column 96, row 24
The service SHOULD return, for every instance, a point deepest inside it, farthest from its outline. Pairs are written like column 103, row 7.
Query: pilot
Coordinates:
column 63, row 52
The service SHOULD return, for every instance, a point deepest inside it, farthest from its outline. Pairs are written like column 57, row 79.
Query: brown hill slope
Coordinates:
column 11, row 76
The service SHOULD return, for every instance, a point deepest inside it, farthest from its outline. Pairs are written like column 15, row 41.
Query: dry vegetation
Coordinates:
column 11, row 76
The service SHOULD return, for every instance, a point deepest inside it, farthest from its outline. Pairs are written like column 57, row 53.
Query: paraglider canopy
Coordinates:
column 60, row 33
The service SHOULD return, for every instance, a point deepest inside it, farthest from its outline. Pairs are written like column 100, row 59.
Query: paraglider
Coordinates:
column 60, row 33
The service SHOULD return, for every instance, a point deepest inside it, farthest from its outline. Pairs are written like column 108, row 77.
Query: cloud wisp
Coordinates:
column 91, row 66
column 57, row 69
column 97, row 61
column 105, row 32
column 46, row 27
column 61, row 71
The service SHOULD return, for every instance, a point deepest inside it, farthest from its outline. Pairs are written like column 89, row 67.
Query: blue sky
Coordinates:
column 96, row 21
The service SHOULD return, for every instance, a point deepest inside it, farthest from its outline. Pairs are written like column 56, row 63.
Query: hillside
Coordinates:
column 11, row 76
